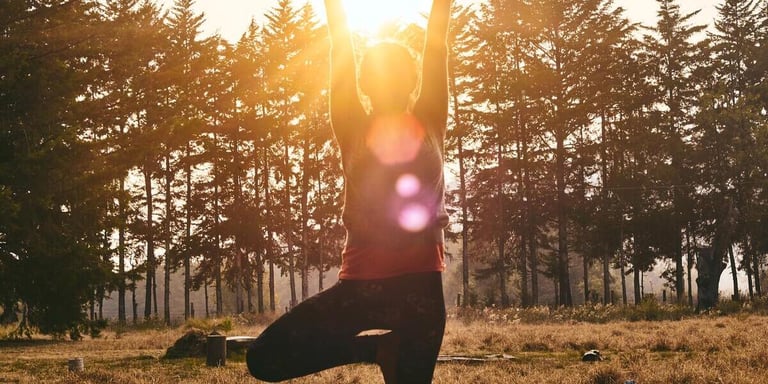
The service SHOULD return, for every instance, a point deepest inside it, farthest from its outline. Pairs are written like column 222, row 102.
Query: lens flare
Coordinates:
column 414, row 217
column 395, row 140
column 408, row 185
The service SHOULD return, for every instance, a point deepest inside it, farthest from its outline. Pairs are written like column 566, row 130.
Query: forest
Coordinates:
column 132, row 146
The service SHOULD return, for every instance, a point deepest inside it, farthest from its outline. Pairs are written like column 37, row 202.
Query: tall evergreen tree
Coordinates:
column 185, row 65
column 280, row 37
column 463, row 43
column 729, row 120
column 675, row 55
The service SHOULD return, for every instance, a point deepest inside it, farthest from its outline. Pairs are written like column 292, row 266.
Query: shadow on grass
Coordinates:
column 29, row 343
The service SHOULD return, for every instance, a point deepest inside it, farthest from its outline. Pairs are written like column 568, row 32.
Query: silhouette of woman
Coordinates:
column 394, row 214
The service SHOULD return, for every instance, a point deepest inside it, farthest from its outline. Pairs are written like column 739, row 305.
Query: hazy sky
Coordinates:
column 231, row 17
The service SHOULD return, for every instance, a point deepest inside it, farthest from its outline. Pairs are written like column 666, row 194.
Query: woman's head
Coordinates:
column 388, row 76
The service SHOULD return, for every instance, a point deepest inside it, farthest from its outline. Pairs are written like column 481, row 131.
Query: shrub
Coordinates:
column 729, row 307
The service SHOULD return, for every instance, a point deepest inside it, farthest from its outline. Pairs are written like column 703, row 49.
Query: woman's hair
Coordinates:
column 389, row 69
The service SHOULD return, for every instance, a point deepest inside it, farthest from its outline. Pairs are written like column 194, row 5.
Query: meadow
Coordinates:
column 655, row 346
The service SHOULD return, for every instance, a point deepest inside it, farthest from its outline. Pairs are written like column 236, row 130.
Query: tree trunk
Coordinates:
column 154, row 294
column 502, row 275
column 756, row 269
column 167, row 264
column 459, row 127
column 690, row 267
column 734, row 274
column 241, row 260
column 121, row 314
column 555, row 283
column 188, row 236
column 607, row 278
column 219, row 292
column 238, row 283
column 320, row 272
column 533, row 253
column 710, row 266
column 304, row 220
column 523, row 206
column 747, row 264
column 501, row 262
column 207, row 305
column 249, row 293
column 607, row 249
column 636, row 280
column 217, row 255
column 268, row 245
column 134, row 304
column 272, row 301
column 289, row 237
column 323, row 234
column 464, row 224
column 261, row 250
column 624, row 300
column 150, row 243
column 259, row 283
column 562, row 227
column 585, row 265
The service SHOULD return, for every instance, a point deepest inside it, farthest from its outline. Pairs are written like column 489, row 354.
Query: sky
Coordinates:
column 231, row 17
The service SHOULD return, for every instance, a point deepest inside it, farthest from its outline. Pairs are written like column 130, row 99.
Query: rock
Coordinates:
column 591, row 356
column 192, row 344
column 239, row 344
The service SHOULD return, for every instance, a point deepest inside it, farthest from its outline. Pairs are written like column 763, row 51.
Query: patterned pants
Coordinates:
column 321, row 332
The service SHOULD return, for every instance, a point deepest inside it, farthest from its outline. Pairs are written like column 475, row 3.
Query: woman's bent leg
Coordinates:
column 317, row 334
column 322, row 331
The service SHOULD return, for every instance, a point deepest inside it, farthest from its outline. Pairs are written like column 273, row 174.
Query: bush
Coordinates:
column 729, row 307
column 221, row 325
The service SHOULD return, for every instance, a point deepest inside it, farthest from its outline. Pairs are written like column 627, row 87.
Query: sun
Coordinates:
column 368, row 17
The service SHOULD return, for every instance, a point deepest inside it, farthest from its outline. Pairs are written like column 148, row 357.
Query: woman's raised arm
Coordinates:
column 433, row 96
column 346, row 109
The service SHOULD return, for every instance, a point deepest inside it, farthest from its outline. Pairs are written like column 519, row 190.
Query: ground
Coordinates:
column 715, row 349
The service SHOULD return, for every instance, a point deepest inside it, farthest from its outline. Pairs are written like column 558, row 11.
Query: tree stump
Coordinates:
column 216, row 350
column 76, row 364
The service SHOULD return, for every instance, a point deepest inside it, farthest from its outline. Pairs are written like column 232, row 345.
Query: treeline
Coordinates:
column 134, row 146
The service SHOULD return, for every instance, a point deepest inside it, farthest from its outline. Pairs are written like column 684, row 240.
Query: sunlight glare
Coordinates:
column 368, row 17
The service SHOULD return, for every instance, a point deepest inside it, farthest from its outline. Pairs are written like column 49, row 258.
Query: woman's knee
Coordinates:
column 262, row 365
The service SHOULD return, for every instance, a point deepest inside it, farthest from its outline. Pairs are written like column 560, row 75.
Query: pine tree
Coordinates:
column 462, row 43
column 282, row 70
column 184, row 67
column 727, row 126
column 675, row 55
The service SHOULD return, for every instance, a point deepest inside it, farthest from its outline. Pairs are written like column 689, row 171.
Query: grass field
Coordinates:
column 707, row 349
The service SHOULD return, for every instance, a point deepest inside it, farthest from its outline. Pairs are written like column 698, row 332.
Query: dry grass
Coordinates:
column 705, row 350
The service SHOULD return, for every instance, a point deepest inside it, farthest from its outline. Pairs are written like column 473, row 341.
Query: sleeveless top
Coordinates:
column 394, row 206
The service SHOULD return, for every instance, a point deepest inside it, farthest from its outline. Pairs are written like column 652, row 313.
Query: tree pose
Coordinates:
column 394, row 214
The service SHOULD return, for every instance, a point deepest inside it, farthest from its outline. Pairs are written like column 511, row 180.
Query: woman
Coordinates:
column 394, row 213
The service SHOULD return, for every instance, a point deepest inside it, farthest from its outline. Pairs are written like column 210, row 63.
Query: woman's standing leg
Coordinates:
column 422, row 327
